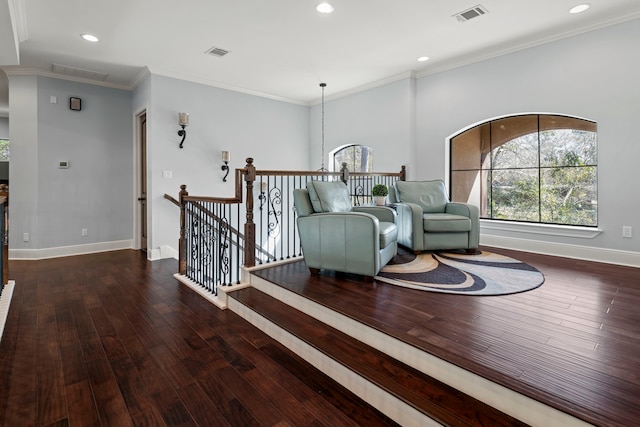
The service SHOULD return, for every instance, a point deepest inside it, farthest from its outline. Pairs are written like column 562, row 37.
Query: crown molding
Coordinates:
column 29, row 71
column 212, row 83
column 139, row 78
column 453, row 64
column 377, row 83
column 17, row 10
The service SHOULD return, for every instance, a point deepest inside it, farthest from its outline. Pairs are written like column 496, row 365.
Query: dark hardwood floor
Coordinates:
column 573, row 343
column 114, row 340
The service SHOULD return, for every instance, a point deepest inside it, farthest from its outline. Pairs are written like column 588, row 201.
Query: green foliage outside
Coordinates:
column 4, row 149
column 563, row 190
column 358, row 158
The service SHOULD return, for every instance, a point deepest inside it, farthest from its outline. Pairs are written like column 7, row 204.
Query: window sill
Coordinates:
column 542, row 229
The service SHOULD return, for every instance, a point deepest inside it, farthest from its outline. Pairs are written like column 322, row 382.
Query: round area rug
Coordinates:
column 484, row 273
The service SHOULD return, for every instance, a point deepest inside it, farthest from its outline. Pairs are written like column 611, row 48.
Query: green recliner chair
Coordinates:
column 337, row 236
column 428, row 221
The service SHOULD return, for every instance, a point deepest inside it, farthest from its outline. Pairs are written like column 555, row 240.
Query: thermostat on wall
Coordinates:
column 63, row 165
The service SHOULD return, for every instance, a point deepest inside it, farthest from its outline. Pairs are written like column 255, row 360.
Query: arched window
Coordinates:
column 359, row 158
column 532, row 168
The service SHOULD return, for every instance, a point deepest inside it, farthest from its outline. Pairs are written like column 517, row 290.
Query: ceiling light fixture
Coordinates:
column 423, row 59
column 90, row 38
column 579, row 8
column 325, row 7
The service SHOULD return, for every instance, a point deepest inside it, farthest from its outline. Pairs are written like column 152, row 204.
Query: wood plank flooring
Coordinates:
column 111, row 339
column 573, row 343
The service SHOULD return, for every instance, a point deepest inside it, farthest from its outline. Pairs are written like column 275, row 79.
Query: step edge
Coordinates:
column 504, row 399
column 387, row 403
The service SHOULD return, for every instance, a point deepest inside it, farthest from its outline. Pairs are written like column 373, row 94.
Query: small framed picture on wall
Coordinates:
column 75, row 103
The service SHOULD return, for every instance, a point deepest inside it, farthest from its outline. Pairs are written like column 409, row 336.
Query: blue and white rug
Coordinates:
column 484, row 273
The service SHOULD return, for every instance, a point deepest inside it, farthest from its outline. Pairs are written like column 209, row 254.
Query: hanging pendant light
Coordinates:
column 322, row 168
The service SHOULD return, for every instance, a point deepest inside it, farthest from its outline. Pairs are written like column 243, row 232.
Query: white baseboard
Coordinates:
column 161, row 253
column 61, row 251
column 587, row 253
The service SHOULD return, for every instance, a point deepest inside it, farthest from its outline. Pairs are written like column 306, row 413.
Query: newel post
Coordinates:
column 249, row 226
column 182, row 242
column 344, row 170
column 403, row 173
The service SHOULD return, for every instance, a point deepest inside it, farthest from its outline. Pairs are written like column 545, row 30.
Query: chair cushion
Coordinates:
column 431, row 196
column 388, row 234
column 329, row 196
column 302, row 202
column 443, row 223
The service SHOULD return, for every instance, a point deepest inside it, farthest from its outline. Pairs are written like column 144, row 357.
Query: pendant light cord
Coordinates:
column 322, row 85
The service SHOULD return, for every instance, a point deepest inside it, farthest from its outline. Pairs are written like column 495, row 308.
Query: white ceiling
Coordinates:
column 283, row 48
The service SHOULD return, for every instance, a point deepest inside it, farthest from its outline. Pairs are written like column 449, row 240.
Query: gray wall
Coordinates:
column 381, row 118
column 53, row 205
column 274, row 133
column 593, row 75
column 4, row 127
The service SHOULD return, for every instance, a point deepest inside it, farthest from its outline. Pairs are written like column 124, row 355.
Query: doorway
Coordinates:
column 142, row 180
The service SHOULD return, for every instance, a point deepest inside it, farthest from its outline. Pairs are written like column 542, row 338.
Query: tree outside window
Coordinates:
column 532, row 168
column 359, row 158
column 4, row 149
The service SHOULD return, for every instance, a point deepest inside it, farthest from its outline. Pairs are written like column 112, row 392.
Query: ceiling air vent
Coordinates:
column 216, row 51
column 468, row 14
column 78, row 72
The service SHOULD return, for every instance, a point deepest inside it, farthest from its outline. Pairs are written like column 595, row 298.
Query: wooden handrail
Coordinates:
column 172, row 200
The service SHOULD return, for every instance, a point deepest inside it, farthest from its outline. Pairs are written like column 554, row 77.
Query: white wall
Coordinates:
column 593, row 75
column 274, row 133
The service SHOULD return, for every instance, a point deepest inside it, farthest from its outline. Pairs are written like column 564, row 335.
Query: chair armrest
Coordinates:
column 410, row 226
column 383, row 213
column 347, row 241
column 463, row 209
column 473, row 213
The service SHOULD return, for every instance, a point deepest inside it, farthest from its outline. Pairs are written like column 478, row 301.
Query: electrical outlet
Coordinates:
column 627, row 231
column 85, row 232
column 25, row 237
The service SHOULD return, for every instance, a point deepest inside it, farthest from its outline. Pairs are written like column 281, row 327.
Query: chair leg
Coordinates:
column 314, row 270
column 368, row 279
column 472, row 251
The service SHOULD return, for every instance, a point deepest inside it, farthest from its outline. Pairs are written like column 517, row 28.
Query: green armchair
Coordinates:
column 428, row 221
column 337, row 236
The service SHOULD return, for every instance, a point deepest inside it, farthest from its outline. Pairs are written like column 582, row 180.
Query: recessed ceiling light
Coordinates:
column 324, row 7
column 579, row 8
column 423, row 58
column 89, row 38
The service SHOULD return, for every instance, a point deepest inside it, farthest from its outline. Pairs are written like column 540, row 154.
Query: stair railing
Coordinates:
column 218, row 236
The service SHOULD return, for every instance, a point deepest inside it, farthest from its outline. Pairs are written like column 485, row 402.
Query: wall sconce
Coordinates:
column 264, row 187
column 183, row 121
column 225, row 167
